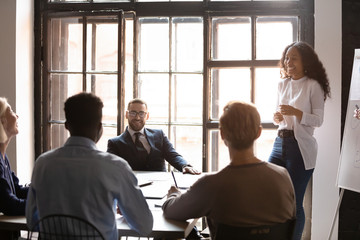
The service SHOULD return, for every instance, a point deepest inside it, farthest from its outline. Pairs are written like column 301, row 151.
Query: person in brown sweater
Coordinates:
column 247, row 192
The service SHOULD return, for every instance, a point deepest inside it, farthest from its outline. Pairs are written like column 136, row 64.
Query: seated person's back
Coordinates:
column 77, row 179
column 251, row 195
column 247, row 192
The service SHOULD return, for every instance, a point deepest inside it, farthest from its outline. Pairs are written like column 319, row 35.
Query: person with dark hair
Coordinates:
column 301, row 99
column 248, row 192
column 12, row 194
column 146, row 149
column 79, row 180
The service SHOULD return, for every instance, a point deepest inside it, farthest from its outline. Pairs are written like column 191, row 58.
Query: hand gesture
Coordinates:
column 357, row 113
column 172, row 190
column 191, row 170
column 287, row 110
column 278, row 117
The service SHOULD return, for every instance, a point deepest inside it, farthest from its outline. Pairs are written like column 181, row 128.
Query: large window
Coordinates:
column 186, row 59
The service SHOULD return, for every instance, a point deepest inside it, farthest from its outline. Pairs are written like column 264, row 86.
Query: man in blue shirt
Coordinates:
column 77, row 179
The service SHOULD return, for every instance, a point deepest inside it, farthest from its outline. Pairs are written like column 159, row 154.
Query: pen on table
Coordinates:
column 172, row 173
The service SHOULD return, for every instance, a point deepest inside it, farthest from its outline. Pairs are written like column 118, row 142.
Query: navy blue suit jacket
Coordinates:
column 12, row 194
column 161, row 150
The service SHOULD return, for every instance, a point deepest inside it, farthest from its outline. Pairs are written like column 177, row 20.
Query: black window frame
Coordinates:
column 303, row 9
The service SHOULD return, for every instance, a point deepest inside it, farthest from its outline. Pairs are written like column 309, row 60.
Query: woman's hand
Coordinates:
column 278, row 117
column 357, row 113
column 287, row 110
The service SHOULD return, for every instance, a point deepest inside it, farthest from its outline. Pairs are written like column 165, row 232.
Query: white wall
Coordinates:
column 325, row 193
column 7, row 61
column 16, row 81
column 25, row 146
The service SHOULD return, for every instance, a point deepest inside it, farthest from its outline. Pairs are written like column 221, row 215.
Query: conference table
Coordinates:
column 154, row 186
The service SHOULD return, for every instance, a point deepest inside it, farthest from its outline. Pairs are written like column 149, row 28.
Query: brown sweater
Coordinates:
column 247, row 195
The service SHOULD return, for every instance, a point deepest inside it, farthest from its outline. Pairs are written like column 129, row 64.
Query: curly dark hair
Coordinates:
column 312, row 65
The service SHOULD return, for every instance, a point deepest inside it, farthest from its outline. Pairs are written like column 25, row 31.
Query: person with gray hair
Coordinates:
column 12, row 194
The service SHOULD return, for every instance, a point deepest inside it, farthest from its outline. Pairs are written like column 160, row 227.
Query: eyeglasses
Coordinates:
column 141, row 114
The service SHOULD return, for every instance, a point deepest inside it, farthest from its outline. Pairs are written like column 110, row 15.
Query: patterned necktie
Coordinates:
column 142, row 153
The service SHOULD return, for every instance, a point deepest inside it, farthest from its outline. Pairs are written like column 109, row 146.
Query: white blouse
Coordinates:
column 306, row 95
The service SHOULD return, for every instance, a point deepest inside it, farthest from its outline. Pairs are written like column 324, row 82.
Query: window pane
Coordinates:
column 154, row 44
column 110, row 1
column 169, row 0
column 230, row 0
column 251, row 0
column 59, row 135
column 62, row 86
column 227, row 85
column 273, row 34
column 187, row 101
column 154, row 0
column 154, row 89
column 68, row 1
column 264, row 144
column 102, row 44
column 231, row 38
column 187, row 142
column 105, row 87
column 164, row 128
column 218, row 152
column 266, row 84
column 276, row 0
column 65, row 48
column 108, row 132
column 187, row 44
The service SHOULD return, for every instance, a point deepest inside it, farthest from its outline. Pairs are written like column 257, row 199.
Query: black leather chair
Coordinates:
column 64, row 227
column 281, row 231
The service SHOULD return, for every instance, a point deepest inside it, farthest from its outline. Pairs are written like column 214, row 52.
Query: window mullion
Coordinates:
column 170, row 82
column 121, row 73
column 206, row 90
column 84, row 47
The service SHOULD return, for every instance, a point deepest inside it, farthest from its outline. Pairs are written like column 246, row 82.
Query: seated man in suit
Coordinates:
column 79, row 180
column 146, row 149
column 247, row 192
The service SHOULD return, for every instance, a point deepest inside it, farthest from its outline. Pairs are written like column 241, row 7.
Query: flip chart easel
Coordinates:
column 349, row 164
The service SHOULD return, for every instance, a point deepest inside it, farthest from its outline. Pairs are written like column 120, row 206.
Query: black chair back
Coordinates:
column 281, row 231
column 64, row 227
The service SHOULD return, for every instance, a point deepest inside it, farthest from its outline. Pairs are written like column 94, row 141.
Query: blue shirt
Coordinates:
column 78, row 179
column 12, row 195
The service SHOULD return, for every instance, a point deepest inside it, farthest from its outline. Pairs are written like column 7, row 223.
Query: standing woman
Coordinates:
column 301, row 98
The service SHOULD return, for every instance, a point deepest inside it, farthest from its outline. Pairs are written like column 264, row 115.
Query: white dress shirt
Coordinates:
column 307, row 95
column 142, row 138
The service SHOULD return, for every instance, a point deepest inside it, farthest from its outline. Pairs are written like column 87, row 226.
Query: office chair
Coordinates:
column 64, row 227
column 281, row 231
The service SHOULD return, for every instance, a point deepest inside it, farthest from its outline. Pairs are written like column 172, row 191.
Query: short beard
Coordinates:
column 133, row 127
